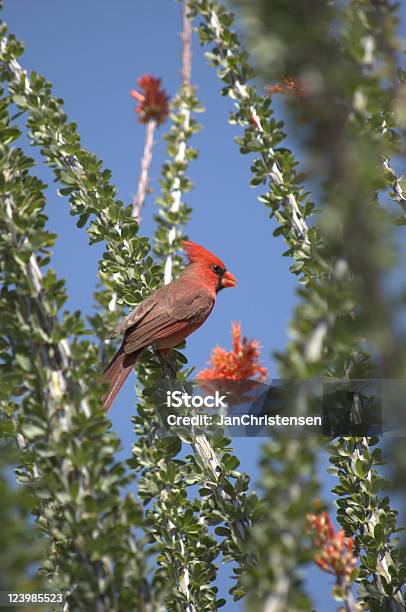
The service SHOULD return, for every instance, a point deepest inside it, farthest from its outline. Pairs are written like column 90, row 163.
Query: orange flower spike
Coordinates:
column 153, row 102
column 241, row 363
column 335, row 551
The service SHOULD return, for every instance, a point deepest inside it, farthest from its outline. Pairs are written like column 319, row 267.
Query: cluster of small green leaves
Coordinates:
column 224, row 502
column 370, row 42
column 173, row 212
column 175, row 524
column 227, row 504
column 67, row 451
column 350, row 132
column 386, row 117
column 370, row 519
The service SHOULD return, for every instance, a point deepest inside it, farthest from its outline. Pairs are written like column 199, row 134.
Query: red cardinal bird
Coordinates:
column 169, row 315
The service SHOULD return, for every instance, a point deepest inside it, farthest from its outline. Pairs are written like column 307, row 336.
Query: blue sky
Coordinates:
column 93, row 51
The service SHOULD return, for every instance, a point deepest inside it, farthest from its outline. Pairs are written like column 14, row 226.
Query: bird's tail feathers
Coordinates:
column 116, row 373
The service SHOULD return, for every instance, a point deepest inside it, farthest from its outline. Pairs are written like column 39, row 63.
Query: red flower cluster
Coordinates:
column 288, row 86
column 153, row 103
column 335, row 554
column 241, row 363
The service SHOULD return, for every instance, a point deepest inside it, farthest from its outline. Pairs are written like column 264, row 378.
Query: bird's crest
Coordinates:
column 196, row 253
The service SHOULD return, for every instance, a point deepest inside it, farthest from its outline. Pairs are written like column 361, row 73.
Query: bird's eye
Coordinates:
column 217, row 269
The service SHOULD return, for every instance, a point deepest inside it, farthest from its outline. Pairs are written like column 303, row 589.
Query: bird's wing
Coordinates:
column 178, row 311
column 139, row 312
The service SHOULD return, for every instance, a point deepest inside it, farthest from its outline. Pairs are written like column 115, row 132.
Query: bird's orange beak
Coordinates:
column 228, row 280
